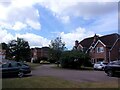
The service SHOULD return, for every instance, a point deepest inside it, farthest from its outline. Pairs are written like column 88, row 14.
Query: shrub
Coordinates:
column 74, row 59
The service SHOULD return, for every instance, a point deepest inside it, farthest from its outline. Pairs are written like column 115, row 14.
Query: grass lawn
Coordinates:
column 52, row 82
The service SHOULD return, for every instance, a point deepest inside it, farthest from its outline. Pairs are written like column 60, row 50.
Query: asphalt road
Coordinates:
column 74, row 75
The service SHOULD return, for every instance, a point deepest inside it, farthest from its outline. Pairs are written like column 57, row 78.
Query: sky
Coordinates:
column 40, row 21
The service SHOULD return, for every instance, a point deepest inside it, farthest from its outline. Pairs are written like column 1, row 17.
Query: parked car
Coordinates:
column 99, row 65
column 113, row 68
column 15, row 68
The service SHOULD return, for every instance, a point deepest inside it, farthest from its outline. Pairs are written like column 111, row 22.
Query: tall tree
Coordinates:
column 56, row 48
column 4, row 46
column 19, row 49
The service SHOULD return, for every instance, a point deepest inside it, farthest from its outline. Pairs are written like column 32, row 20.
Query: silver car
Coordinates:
column 100, row 65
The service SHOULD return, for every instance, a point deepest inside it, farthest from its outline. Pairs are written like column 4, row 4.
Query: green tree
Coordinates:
column 19, row 49
column 4, row 46
column 56, row 49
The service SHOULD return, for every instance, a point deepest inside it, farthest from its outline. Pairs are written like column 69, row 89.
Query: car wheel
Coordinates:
column 110, row 73
column 95, row 69
column 20, row 74
column 103, row 68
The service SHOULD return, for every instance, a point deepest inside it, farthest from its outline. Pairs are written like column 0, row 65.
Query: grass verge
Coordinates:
column 52, row 82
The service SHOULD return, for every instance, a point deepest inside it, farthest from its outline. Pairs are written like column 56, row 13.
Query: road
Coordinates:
column 73, row 75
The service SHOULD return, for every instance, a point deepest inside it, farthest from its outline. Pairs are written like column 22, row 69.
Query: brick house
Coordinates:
column 105, row 48
column 38, row 53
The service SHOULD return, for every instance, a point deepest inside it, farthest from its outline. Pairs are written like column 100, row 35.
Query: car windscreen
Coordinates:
column 21, row 64
column 5, row 65
column 114, row 63
column 98, row 63
column 105, row 63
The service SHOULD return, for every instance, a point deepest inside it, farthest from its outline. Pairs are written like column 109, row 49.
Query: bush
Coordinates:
column 73, row 59
column 87, row 64
column 52, row 61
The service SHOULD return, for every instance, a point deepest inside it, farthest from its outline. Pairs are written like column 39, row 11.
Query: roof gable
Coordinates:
column 107, row 40
column 99, row 42
column 104, row 39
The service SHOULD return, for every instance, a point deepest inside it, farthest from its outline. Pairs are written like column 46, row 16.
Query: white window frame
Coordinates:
column 100, row 49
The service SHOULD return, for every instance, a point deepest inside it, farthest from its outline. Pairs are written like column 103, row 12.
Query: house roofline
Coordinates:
column 100, row 42
column 96, row 45
column 80, row 45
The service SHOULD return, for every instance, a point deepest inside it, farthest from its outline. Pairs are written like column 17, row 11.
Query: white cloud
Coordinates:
column 3, row 14
column 19, row 11
column 34, row 25
column 13, row 11
column 5, row 36
column 19, row 26
column 77, row 34
column 74, row 8
column 34, row 40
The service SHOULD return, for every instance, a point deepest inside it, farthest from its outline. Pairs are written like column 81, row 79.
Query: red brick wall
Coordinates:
column 115, row 54
column 37, row 53
column 101, row 55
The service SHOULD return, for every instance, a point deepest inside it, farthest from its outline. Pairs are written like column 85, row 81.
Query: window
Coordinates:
column 100, row 49
column 13, row 64
column 98, row 63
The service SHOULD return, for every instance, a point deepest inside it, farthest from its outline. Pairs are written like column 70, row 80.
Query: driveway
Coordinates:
column 74, row 75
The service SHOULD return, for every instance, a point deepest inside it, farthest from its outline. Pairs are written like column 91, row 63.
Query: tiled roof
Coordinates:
column 87, row 42
column 108, row 40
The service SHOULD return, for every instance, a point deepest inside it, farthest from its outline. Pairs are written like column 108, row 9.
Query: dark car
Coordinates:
column 15, row 68
column 113, row 68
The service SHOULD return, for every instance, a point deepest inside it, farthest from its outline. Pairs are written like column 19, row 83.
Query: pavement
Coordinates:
column 73, row 75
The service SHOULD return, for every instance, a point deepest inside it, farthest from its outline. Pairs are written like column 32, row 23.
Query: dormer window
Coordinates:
column 100, row 49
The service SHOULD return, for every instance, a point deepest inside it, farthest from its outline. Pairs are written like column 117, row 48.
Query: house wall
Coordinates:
column 38, row 53
column 115, row 52
column 80, row 48
column 98, row 56
column 107, row 54
column 105, row 41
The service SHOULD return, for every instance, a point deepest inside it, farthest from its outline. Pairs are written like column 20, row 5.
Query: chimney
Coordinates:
column 76, row 43
column 95, row 38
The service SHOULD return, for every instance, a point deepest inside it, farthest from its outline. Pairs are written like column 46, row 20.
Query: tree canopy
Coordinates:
column 3, row 46
column 57, row 46
column 19, row 50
